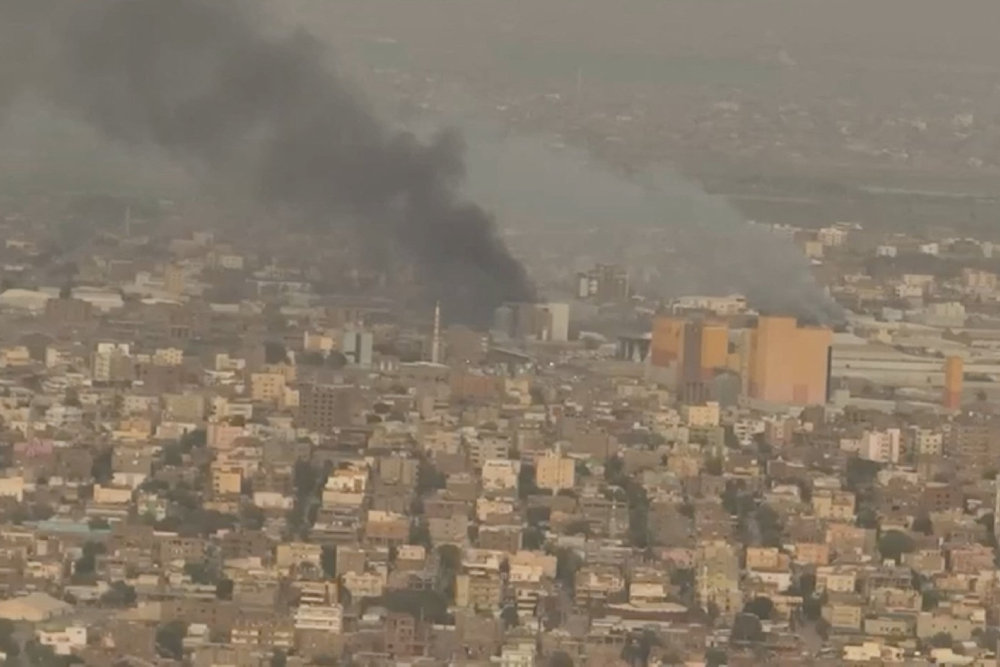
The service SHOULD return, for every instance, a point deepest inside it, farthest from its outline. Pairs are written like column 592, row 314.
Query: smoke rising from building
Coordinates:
column 703, row 244
column 201, row 80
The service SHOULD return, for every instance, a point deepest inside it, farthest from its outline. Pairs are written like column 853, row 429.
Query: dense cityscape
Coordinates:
column 289, row 380
column 210, row 458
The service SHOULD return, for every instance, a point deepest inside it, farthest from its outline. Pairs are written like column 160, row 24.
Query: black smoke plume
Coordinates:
column 203, row 80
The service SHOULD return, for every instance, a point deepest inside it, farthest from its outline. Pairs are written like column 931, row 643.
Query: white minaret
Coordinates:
column 436, row 339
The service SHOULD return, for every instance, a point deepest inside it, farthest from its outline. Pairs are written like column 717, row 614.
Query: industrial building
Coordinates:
column 789, row 364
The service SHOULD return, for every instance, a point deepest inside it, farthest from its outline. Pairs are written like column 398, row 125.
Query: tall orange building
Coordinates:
column 789, row 364
column 693, row 349
column 668, row 341
column 954, row 371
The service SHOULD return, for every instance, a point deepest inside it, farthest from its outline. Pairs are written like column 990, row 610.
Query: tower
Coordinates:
column 954, row 369
column 436, row 337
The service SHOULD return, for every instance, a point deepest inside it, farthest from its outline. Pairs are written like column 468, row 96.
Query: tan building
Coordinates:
column 844, row 613
column 267, row 387
column 290, row 554
column 386, row 529
column 835, row 579
column 812, row 553
column 833, row 504
column 554, row 471
column 478, row 591
column 598, row 583
column 226, row 480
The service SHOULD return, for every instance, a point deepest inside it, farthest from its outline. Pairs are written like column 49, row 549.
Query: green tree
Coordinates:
column 807, row 584
column 328, row 561
column 310, row 359
column 812, row 607
column 119, row 594
column 713, row 465
column 922, row 524
column 532, row 538
column 770, row 525
column 861, row 473
column 747, row 628
column 8, row 640
column 560, row 659
column 224, row 589
column 716, row 657
column 192, row 439
column 202, row 572
column 450, row 557
column 526, row 481
column 893, row 544
column 449, row 562
column 87, row 562
column 170, row 639
column 429, row 478
column 567, row 564
column 39, row 655
column 509, row 616
column 614, row 469
column 98, row 523
column 420, row 534
column 100, row 469
column 536, row 515
column 761, row 607
column 942, row 640
column 427, row 605
column 867, row 518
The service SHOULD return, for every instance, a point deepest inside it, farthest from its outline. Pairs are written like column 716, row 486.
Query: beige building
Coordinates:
column 478, row 591
column 554, row 471
column 835, row 580
column 500, row 474
column 812, row 553
column 290, row 554
column 267, row 387
column 700, row 416
column 168, row 356
column 843, row 614
column 226, row 480
column 833, row 504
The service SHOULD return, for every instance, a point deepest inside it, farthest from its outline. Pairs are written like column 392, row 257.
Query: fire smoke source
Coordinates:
column 202, row 80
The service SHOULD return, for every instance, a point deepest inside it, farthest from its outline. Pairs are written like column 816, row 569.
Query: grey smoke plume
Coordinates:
column 202, row 80
column 691, row 242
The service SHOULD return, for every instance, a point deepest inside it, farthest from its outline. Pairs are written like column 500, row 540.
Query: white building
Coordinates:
column 881, row 446
column 930, row 249
column 558, row 321
column 64, row 641
column 886, row 251
column 105, row 357
column 326, row 618
column 733, row 304
column 357, row 347
column 832, row 236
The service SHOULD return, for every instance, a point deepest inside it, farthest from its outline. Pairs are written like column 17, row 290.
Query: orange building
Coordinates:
column 954, row 370
column 714, row 345
column 693, row 349
column 668, row 341
column 788, row 364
